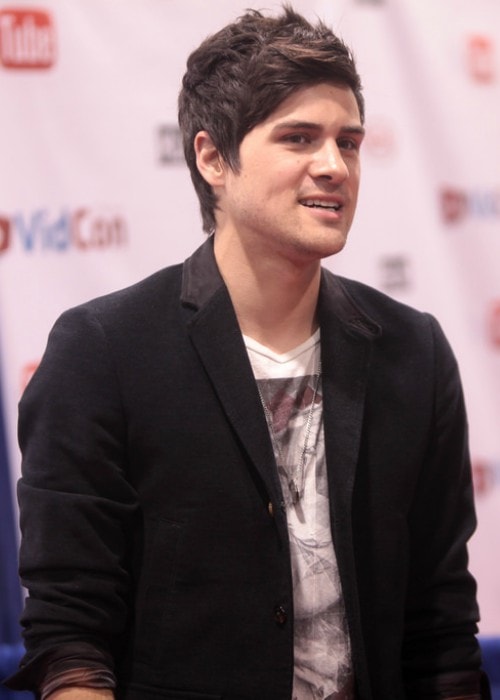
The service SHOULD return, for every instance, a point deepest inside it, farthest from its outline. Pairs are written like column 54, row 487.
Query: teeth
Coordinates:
column 320, row 204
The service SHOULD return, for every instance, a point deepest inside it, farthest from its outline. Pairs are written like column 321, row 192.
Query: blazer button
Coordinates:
column 270, row 509
column 280, row 615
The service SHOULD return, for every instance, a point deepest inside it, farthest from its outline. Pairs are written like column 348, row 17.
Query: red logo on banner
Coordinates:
column 26, row 373
column 4, row 234
column 495, row 325
column 27, row 38
column 380, row 139
column 484, row 478
column 93, row 230
column 453, row 205
column 481, row 55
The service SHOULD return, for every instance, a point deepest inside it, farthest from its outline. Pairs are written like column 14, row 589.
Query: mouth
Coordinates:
column 321, row 204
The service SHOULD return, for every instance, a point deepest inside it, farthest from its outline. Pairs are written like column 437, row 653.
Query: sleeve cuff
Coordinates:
column 37, row 671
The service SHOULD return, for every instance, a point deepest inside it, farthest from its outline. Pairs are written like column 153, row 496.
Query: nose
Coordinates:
column 329, row 164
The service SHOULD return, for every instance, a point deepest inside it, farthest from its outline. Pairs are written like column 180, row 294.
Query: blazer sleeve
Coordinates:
column 441, row 655
column 78, row 513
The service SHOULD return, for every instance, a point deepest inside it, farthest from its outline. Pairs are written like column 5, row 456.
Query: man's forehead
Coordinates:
column 322, row 100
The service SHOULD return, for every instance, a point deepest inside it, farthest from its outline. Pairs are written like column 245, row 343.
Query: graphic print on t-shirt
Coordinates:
column 288, row 401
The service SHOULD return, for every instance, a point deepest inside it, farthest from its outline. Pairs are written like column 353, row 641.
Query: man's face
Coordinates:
column 296, row 191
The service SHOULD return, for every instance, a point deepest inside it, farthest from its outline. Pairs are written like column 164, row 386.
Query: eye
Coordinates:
column 299, row 139
column 347, row 144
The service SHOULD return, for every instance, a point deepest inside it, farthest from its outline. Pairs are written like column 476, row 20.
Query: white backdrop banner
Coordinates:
column 94, row 193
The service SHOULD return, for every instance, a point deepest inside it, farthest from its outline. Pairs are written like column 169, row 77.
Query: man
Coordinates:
column 245, row 477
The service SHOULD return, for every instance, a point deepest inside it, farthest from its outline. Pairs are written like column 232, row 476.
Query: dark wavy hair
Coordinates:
column 237, row 77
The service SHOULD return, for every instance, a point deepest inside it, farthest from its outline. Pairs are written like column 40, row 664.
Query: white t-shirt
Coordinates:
column 288, row 383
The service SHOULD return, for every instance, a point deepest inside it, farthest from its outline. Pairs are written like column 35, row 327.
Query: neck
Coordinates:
column 274, row 299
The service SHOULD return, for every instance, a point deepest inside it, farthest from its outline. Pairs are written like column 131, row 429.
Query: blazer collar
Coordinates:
column 201, row 280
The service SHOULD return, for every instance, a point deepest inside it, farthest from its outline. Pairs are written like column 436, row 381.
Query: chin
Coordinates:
column 332, row 246
column 309, row 254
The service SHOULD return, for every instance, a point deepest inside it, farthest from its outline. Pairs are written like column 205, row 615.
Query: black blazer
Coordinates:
column 153, row 531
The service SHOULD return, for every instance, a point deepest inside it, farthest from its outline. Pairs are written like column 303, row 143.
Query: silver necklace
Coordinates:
column 297, row 478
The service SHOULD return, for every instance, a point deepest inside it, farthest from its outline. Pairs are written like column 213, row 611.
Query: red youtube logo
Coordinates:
column 27, row 39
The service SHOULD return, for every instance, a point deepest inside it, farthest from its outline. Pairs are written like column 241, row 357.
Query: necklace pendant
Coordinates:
column 294, row 489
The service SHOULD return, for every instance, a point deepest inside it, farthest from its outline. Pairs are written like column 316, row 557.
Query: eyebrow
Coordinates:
column 354, row 130
column 296, row 124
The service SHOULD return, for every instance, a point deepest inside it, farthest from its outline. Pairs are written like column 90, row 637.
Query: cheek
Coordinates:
column 354, row 178
column 355, row 172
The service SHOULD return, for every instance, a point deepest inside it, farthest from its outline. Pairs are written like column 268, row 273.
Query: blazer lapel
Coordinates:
column 216, row 336
column 347, row 335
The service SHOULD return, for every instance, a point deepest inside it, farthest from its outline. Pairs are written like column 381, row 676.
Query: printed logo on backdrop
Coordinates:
column 486, row 476
column 26, row 373
column 4, row 233
column 27, row 38
column 481, row 59
column 458, row 205
column 169, row 145
column 494, row 325
column 394, row 273
column 380, row 139
column 83, row 229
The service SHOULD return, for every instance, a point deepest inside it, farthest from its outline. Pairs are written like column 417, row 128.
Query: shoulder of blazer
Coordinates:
column 192, row 283
column 364, row 306
column 154, row 291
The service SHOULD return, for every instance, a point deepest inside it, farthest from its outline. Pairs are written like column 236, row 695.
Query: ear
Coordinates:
column 208, row 159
